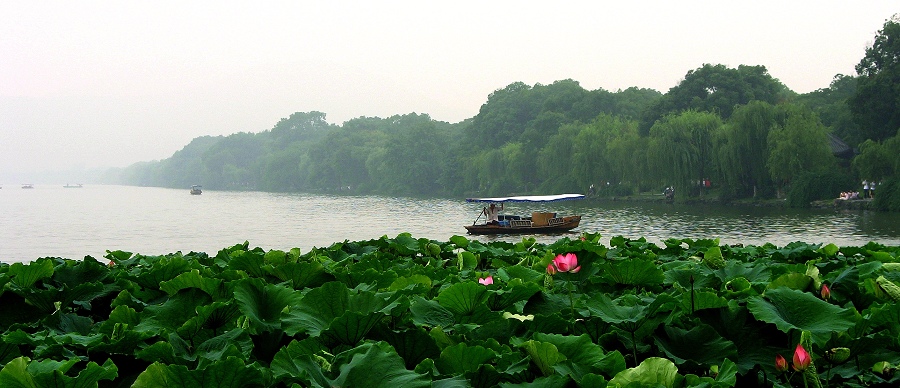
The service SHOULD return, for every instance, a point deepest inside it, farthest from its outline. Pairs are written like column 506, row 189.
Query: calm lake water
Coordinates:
column 50, row 220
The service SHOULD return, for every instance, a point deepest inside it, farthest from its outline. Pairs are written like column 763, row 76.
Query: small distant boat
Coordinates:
column 75, row 186
column 27, row 186
column 196, row 190
column 537, row 223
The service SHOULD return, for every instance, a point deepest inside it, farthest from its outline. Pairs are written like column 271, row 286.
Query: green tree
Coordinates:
column 877, row 161
column 831, row 105
column 798, row 145
column 742, row 151
column 680, row 150
column 718, row 89
column 876, row 105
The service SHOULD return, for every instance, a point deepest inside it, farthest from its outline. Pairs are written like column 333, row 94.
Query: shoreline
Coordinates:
column 836, row 203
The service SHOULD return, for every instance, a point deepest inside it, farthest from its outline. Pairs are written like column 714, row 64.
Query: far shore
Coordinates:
column 836, row 203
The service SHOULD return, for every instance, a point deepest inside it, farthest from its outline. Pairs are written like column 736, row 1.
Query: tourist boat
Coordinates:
column 195, row 190
column 27, row 186
column 75, row 186
column 536, row 223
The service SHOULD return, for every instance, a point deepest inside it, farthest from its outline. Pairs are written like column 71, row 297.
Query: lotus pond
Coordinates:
column 408, row 312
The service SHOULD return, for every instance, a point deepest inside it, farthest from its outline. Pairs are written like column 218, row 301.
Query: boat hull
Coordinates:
column 566, row 224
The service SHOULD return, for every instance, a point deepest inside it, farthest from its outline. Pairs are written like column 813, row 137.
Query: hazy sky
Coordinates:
column 87, row 84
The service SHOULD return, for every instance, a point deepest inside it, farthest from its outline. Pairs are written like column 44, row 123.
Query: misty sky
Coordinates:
column 86, row 84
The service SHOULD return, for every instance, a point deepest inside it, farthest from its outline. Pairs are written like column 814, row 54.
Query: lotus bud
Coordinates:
column 486, row 281
column 826, row 292
column 781, row 364
column 801, row 358
column 551, row 269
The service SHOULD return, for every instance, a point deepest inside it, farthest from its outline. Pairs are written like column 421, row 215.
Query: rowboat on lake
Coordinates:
column 196, row 190
column 536, row 223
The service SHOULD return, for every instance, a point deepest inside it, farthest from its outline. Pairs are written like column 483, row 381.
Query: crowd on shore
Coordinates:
column 868, row 192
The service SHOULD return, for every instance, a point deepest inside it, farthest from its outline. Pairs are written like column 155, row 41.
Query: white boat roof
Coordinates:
column 529, row 198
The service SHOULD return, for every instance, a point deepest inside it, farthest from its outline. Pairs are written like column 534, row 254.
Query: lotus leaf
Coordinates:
column 790, row 309
column 652, row 372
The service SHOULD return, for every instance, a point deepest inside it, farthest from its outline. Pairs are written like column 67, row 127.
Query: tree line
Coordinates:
column 725, row 132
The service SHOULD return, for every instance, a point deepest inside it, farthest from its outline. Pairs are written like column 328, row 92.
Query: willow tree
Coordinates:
column 742, row 150
column 680, row 149
column 797, row 145
column 555, row 161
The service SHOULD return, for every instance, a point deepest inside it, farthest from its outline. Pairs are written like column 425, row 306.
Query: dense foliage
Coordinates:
column 412, row 312
column 740, row 129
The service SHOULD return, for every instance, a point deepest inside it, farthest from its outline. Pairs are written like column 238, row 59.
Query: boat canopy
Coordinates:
column 528, row 198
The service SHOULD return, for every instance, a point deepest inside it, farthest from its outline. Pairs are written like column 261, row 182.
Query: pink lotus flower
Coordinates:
column 486, row 281
column 826, row 292
column 801, row 358
column 566, row 263
column 781, row 364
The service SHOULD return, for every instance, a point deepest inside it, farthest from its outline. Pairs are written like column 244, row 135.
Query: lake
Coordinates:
column 54, row 221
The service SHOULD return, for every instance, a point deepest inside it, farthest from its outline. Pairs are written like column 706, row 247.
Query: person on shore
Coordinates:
column 872, row 189
column 865, row 184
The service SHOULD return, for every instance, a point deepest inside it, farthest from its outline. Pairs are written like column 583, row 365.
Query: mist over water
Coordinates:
column 52, row 221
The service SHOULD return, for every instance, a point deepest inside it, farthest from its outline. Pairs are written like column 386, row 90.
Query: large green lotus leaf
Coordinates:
column 702, row 277
column 462, row 358
column 351, row 327
column 519, row 272
column 191, row 279
column 701, row 344
column 88, row 377
column 251, row 262
column 430, row 313
column 301, row 274
column 375, row 365
column 634, row 272
column 320, row 306
column 459, row 241
column 25, row 275
column 796, row 281
column 466, row 260
column 235, row 342
column 652, row 372
column 160, row 269
column 122, row 342
column 213, row 319
column 413, row 344
column 461, row 298
column 161, row 351
column 298, row 359
column 513, row 291
column 172, row 313
column 15, row 374
column 412, row 280
column 701, row 300
column 544, row 355
column 68, row 323
column 230, row 372
column 42, row 299
column 74, row 272
column 406, row 245
column 790, row 309
column 582, row 350
column 753, row 272
column 553, row 381
column 628, row 312
column 263, row 303
column 727, row 377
